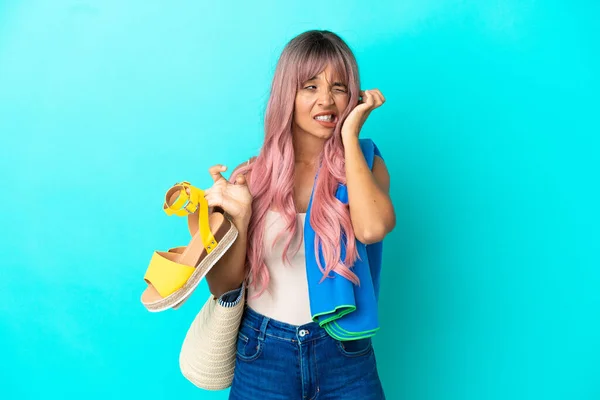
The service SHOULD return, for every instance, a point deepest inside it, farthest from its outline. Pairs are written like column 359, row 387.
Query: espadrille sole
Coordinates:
column 207, row 263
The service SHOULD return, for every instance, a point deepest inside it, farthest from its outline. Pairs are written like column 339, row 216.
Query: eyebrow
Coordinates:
column 314, row 78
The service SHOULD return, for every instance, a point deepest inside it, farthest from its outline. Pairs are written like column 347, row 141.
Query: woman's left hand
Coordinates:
column 371, row 99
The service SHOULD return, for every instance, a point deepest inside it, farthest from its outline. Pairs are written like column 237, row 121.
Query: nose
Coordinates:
column 325, row 97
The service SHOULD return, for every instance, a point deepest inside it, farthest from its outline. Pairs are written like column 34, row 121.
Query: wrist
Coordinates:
column 242, row 226
column 350, row 141
column 349, row 138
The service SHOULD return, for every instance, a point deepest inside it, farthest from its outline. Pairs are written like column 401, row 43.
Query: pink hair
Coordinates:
column 271, row 182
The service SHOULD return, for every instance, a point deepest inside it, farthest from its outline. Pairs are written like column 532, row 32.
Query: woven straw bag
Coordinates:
column 207, row 357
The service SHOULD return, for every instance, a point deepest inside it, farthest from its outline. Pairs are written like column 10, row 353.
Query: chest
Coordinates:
column 304, row 179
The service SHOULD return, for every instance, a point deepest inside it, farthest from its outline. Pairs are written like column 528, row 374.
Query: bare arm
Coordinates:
column 229, row 272
column 371, row 209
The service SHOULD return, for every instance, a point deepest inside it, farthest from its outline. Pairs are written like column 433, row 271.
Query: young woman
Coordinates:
column 311, row 149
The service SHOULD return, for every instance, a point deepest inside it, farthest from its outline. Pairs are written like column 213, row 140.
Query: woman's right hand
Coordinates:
column 234, row 198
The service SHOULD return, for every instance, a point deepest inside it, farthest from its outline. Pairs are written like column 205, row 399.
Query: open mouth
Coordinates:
column 331, row 118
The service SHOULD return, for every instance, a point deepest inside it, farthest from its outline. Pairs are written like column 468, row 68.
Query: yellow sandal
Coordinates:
column 173, row 275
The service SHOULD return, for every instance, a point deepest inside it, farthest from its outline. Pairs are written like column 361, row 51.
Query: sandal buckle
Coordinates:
column 188, row 203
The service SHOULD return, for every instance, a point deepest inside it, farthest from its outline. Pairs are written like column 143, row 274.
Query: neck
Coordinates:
column 307, row 148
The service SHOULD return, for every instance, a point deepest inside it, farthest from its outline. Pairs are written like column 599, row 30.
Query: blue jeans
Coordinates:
column 276, row 360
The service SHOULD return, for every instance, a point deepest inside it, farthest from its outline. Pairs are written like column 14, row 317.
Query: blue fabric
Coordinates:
column 275, row 360
column 346, row 311
column 232, row 298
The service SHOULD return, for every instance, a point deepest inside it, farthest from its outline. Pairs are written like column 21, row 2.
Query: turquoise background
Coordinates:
column 490, row 132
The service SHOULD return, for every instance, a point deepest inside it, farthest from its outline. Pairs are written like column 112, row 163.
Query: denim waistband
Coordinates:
column 281, row 330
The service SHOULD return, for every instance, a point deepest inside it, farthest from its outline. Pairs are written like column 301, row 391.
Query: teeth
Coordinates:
column 324, row 117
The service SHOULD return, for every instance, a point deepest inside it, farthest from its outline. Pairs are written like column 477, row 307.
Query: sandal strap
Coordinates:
column 185, row 203
column 188, row 204
column 165, row 275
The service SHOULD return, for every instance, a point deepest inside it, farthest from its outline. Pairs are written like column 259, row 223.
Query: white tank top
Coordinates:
column 286, row 298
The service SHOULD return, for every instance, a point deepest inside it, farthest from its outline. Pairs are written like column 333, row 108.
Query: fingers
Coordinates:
column 240, row 180
column 367, row 99
column 214, row 199
column 372, row 98
column 215, row 172
column 378, row 96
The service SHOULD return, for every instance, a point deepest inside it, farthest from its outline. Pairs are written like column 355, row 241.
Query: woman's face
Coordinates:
column 319, row 102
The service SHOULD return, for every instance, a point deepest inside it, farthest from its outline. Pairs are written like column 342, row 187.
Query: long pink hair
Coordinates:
column 271, row 182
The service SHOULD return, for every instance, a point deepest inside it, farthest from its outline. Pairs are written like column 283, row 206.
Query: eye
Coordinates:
column 311, row 86
column 340, row 90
